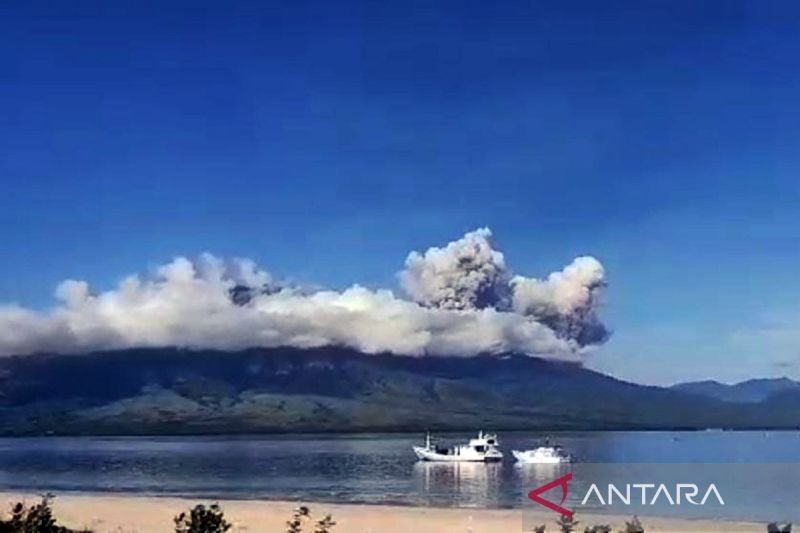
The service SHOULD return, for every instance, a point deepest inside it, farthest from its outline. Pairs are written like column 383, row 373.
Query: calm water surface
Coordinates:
column 353, row 468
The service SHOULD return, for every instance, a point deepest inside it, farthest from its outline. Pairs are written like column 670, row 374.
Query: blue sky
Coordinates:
column 326, row 140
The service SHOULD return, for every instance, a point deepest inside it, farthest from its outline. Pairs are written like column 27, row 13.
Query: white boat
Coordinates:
column 546, row 454
column 480, row 450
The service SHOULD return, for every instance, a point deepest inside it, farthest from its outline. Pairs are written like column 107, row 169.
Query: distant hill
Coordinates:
column 175, row 391
column 751, row 391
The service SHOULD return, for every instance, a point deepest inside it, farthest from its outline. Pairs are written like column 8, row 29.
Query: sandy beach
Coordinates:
column 120, row 513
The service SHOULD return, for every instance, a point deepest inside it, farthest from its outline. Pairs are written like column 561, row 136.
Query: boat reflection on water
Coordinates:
column 460, row 483
column 537, row 474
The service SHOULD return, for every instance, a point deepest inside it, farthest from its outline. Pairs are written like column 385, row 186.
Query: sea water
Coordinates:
column 368, row 468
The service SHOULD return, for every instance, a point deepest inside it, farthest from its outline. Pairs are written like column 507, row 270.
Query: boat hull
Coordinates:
column 528, row 457
column 425, row 454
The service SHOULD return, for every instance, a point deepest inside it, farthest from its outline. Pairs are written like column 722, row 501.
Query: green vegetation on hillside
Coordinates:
column 174, row 391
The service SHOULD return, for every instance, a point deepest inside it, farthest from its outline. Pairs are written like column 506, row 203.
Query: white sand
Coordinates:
column 125, row 514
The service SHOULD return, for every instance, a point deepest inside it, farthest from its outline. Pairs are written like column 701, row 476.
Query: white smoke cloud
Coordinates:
column 463, row 306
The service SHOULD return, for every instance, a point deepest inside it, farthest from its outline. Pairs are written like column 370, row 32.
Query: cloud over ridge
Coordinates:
column 463, row 301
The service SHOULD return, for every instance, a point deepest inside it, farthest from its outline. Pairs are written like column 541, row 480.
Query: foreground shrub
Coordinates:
column 295, row 524
column 303, row 514
column 35, row 519
column 634, row 526
column 202, row 519
column 567, row 523
column 324, row 525
column 773, row 527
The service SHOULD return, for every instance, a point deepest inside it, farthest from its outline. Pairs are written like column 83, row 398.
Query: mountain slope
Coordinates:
column 751, row 391
column 174, row 391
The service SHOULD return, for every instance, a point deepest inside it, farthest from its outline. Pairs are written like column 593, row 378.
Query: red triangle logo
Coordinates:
column 560, row 482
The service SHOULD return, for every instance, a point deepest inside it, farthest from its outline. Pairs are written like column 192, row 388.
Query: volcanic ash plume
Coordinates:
column 469, row 274
column 465, row 302
column 465, row 274
column 566, row 301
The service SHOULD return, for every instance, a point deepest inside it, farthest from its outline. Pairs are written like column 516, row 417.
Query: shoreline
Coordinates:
column 135, row 513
